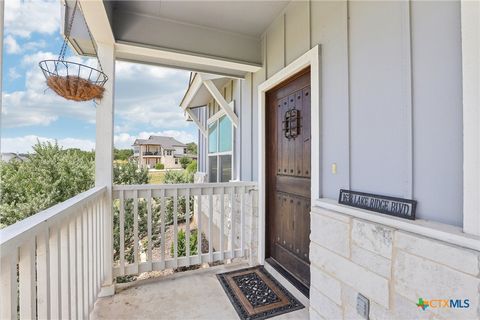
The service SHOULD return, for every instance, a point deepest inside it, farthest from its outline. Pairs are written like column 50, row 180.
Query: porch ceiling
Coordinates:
column 206, row 36
column 249, row 18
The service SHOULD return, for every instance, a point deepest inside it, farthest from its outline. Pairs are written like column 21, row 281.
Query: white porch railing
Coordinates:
column 143, row 213
column 52, row 262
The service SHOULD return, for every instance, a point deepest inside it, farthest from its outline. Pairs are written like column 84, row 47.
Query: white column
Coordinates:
column 2, row 6
column 471, row 115
column 104, row 158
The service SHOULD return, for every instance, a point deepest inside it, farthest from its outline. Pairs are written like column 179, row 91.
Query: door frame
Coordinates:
column 310, row 58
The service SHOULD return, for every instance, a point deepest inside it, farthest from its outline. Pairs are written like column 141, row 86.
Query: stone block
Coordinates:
column 371, row 261
column 373, row 237
column 324, row 306
column 326, row 284
column 455, row 257
column 349, row 300
column 416, row 278
column 361, row 279
column 330, row 233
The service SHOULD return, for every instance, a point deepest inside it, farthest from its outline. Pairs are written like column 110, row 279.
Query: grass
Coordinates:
column 156, row 177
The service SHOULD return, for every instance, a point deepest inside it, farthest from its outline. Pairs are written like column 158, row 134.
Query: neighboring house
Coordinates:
column 294, row 101
column 9, row 156
column 158, row 149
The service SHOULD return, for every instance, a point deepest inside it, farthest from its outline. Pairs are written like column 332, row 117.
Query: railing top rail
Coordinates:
column 185, row 185
column 28, row 227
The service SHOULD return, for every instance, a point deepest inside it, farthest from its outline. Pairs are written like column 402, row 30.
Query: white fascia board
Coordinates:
column 97, row 20
column 228, row 108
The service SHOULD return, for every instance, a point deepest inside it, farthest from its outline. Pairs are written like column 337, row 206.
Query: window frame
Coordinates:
column 215, row 119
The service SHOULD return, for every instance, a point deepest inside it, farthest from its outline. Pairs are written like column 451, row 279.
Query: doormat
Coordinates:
column 255, row 294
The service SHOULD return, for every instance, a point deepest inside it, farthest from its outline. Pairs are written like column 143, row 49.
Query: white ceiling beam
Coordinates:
column 228, row 108
column 97, row 20
column 137, row 52
column 196, row 121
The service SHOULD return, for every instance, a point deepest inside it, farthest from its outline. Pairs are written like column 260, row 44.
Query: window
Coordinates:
column 220, row 146
column 184, row 150
column 176, row 160
column 168, row 152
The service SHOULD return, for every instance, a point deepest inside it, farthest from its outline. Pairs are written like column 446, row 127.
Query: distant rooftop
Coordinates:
column 165, row 142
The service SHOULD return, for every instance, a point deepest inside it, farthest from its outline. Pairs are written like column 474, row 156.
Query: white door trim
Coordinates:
column 310, row 58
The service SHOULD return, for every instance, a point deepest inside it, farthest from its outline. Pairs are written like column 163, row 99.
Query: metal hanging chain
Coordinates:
column 61, row 56
column 91, row 40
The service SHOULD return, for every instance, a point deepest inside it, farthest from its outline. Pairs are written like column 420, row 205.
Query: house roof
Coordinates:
column 9, row 156
column 165, row 142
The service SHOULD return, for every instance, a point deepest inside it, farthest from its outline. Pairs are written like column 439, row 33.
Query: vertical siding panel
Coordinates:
column 275, row 46
column 297, row 30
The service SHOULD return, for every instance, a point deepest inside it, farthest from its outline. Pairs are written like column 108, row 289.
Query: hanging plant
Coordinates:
column 72, row 80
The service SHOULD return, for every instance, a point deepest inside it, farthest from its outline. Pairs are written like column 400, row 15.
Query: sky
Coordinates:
column 147, row 97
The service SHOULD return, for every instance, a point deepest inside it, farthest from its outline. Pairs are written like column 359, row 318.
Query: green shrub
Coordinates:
column 174, row 176
column 185, row 161
column 182, row 246
column 159, row 166
column 192, row 167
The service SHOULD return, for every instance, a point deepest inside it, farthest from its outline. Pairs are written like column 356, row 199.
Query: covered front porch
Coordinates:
column 189, row 295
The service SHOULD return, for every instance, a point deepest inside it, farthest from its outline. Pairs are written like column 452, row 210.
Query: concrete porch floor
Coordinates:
column 186, row 295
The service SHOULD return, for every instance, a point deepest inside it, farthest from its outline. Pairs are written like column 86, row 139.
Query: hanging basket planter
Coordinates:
column 72, row 80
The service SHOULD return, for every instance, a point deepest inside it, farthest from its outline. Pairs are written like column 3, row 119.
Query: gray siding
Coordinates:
column 391, row 97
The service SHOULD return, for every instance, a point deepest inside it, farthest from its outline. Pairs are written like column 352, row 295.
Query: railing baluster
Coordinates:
column 85, row 261
column 64, row 270
column 73, row 266
column 232, row 222
column 187, row 226
column 175, row 228
column 99, row 257
column 149, row 229
column 199, row 227
column 43, row 280
column 210, row 226
column 162, row 229
column 8, row 286
column 222, row 224
column 122, row 233
column 27, row 281
column 79, row 223
column 135, row 229
column 91, row 286
column 242, row 221
column 55, row 296
column 95, row 252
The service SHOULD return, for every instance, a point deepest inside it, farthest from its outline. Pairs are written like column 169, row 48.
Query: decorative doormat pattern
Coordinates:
column 255, row 294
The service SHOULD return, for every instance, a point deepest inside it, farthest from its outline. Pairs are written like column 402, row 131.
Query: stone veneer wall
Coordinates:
column 251, row 219
column 392, row 268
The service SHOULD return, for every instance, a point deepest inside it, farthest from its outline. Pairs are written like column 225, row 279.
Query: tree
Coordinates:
column 192, row 148
column 122, row 154
column 129, row 173
column 49, row 176
column 185, row 161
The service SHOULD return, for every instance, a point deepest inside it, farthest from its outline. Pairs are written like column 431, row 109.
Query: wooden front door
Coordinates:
column 288, row 176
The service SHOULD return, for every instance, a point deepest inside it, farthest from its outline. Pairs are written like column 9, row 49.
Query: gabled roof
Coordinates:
column 165, row 142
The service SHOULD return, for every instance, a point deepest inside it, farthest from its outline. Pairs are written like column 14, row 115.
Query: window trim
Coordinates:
column 215, row 118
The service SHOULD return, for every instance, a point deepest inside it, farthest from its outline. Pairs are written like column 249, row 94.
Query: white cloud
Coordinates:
column 24, row 144
column 22, row 18
column 149, row 95
column 13, row 74
column 38, row 105
column 11, row 45
column 125, row 140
